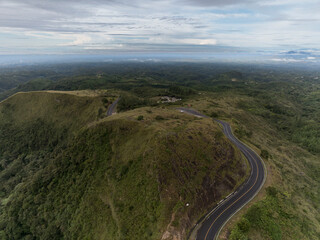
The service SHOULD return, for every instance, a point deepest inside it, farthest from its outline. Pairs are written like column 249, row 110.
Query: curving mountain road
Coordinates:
column 210, row 227
column 112, row 107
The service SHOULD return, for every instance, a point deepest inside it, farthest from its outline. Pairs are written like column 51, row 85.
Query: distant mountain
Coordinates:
column 298, row 53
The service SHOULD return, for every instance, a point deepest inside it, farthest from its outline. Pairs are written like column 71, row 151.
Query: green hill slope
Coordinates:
column 288, row 205
column 69, row 173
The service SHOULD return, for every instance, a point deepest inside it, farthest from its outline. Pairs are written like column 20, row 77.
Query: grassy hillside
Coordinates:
column 285, row 133
column 68, row 172
column 273, row 109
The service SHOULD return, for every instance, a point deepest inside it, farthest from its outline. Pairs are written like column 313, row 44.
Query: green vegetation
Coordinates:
column 274, row 218
column 61, row 160
column 129, row 102
column 264, row 154
column 293, row 162
column 109, row 178
column 140, row 117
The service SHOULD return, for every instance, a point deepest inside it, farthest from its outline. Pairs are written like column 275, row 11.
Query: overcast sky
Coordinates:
column 78, row 26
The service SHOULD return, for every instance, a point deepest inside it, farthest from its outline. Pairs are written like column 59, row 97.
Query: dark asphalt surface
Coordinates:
column 217, row 217
column 112, row 107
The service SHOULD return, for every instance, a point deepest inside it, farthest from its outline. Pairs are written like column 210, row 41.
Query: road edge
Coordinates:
column 264, row 180
column 195, row 229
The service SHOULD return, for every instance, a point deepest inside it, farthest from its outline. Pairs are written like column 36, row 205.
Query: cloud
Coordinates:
column 217, row 2
column 167, row 24
column 79, row 40
column 288, row 60
column 206, row 41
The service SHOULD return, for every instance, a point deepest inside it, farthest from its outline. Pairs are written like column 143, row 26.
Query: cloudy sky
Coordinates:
column 111, row 26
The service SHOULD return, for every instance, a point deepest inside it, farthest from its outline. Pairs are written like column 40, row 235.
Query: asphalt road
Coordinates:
column 112, row 107
column 210, row 227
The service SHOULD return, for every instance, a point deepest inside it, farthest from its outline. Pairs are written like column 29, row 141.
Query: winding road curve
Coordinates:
column 209, row 228
column 112, row 107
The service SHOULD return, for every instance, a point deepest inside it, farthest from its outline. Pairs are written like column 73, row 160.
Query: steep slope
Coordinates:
column 288, row 206
column 68, row 173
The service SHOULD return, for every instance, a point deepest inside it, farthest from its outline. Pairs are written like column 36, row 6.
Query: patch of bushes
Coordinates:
column 241, row 132
column 129, row 102
column 272, row 217
column 180, row 91
column 159, row 118
column 214, row 115
column 264, row 154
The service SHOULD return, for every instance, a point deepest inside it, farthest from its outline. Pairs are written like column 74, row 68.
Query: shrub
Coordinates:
column 105, row 100
column 214, row 115
column 264, row 154
column 158, row 117
column 128, row 102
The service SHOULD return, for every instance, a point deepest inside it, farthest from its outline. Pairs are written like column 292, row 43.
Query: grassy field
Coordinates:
column 69, row 172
